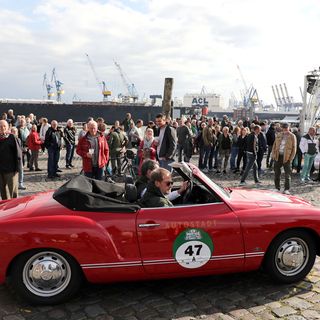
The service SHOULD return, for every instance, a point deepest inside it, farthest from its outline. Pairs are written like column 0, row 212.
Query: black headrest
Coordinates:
column 131, row 193
column 128, row 179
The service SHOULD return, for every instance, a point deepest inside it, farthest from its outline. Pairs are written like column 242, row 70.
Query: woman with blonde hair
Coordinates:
column 147, row 148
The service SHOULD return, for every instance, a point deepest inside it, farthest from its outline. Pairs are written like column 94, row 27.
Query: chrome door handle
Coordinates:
column 149, row 225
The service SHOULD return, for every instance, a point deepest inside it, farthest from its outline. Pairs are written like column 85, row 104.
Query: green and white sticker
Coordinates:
column 193, row 248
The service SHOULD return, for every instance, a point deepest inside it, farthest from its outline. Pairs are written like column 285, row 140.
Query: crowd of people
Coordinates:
column 220, row 145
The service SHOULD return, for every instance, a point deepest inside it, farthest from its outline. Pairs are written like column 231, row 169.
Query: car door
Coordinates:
column 194, row 238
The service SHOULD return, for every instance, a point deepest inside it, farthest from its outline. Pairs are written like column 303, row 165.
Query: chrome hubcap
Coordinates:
column 46, row 274
column 292, row 256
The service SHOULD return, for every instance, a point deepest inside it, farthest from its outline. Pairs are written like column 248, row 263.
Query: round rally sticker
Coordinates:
column 192, row 248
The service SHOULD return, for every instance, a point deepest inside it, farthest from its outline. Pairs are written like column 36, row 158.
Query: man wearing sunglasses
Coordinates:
column 158, row 188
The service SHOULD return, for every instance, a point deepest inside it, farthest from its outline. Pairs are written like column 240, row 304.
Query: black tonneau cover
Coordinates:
column 85, row 194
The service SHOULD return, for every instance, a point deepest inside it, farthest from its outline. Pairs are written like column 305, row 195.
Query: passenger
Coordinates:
column 159, row 188
column 147, row 167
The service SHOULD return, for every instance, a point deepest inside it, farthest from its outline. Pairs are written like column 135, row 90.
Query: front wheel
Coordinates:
column 45, row 277
column 290, row 256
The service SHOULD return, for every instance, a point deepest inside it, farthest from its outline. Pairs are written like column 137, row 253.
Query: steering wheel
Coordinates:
column 187, row 193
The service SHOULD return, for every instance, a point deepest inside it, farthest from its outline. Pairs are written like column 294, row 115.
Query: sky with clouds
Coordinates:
column 198, row 43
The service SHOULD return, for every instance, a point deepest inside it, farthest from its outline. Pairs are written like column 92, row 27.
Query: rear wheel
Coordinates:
column 291, row 256
column 45, row 277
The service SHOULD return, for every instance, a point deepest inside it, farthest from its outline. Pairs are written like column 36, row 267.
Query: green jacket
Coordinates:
column 116, row 141
column 154, row 198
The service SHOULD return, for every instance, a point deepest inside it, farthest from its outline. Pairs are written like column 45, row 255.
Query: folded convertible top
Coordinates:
column 85, row 194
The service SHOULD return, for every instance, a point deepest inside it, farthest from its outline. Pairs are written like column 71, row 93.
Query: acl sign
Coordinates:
column 199, row 101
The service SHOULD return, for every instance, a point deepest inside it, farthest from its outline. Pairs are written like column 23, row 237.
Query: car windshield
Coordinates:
column 190, row 173
column 214, row 186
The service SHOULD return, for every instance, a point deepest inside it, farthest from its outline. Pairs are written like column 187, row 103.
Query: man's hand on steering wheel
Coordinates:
column 183, row 187
column 187, row 192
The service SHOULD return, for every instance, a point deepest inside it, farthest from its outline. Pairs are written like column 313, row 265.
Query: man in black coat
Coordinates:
column 270, row 135
column 70, row 141
column 10, row 162
column 262, row 146
column 252, row 151
column 53, row 144
column 167, row 142
column 184, row 136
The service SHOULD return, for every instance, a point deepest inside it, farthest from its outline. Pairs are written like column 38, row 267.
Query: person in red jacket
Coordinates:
column 34, row 145
column 94, row 151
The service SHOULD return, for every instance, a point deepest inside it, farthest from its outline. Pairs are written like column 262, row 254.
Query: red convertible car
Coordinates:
column 86, row 230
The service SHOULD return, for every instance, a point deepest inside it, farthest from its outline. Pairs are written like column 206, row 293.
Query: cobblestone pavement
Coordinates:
column 238, row 296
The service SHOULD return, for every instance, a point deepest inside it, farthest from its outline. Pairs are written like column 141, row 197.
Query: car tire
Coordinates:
column 45, row 277
column 290, row 256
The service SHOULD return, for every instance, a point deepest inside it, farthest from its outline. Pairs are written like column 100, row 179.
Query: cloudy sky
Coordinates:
column 198, row 43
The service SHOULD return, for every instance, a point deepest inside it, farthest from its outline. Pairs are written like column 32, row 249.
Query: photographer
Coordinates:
column 117, row 142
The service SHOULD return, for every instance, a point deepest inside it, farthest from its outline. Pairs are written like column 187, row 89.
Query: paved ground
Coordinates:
column 238, row 296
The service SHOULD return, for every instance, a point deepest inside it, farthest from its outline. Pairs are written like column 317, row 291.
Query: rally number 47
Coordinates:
column 193, row 249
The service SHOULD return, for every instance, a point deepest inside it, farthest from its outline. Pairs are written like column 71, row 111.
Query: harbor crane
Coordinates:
column 58, row 85
column 132, row 94
column 284, row 102
column 310, row 112
column 250, row 95
column 48, row 87
column 101, row 84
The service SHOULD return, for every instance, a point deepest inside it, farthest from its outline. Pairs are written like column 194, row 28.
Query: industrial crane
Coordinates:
column 48, row 87
column 101, row 84
column 250, row 96
column 132, row 93
column 58, row 85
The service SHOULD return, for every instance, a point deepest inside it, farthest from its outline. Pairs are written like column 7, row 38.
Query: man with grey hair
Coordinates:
column 10, row 162
column 53, row 143
column 69, row 135
column 94, row 151
column 11, row 118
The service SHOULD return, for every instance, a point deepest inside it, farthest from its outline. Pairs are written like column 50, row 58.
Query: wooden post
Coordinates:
column 167, row 97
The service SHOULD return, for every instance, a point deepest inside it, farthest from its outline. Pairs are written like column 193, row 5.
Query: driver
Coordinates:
column 158, row 188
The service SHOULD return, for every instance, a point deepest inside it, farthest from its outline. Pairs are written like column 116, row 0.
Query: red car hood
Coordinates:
column 265, row 198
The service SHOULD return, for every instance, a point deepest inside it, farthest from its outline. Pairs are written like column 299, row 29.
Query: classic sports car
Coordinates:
column 87, row 230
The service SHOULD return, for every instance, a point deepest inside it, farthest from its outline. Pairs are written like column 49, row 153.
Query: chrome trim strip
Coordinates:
column 117, row 266
column 229, row 255
column 147, row 261
column 215, row 258
column 109, row 263
column 254, row 253
column 255, row 256
column 168, row 261
column 152, row 263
